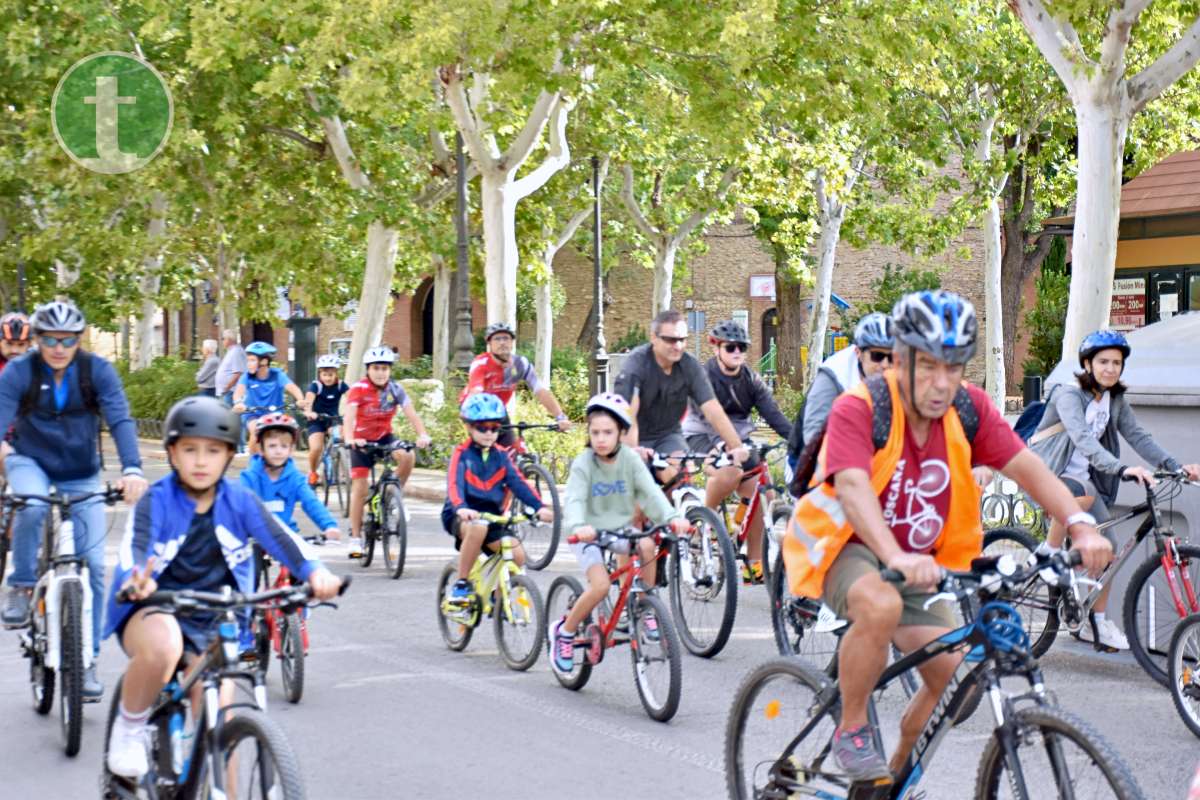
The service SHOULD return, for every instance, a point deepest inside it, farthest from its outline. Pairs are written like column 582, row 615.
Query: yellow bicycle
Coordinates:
column 501, row 589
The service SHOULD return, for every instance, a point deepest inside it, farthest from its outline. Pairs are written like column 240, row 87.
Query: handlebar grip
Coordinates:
column 892, row 575
column 572, row 539
column 1125, row 476
column 1073, row 557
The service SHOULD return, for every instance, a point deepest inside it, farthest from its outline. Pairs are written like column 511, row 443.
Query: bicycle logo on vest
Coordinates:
column 920, row 515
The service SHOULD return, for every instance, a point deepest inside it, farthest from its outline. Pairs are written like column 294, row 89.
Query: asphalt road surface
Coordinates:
column 388, row 711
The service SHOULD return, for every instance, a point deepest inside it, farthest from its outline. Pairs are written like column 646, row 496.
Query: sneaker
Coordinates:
column 16, row 606
column 355, row 547
column 93, row 689
column 313, row 479
column 127, row 750
column 650, row 626
column 1111, row 637
column 855, row 753
column 752, row 573
column 562, row 649
column 460, row 593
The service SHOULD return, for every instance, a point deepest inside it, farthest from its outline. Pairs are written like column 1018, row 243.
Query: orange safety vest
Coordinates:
column 819, row 529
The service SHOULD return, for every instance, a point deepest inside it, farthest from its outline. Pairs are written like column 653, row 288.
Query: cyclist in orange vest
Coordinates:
column 911, row 505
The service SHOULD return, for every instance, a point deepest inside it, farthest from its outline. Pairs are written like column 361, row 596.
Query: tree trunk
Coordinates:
column 994, row 379
column 664, row 274
column 499, row 205
column 442, row 328
column 831, row 215
column 376, row 292
column 544, row 345
column 1103, row 123
column 789, row 304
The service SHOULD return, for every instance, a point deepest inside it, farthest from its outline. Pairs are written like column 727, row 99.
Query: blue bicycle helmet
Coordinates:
column 937, row 322
column 482, row 407
column 261, row 349
column 1103, row 340
column 874, row 331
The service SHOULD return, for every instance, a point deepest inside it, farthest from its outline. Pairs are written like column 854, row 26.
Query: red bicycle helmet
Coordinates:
column 278, row 421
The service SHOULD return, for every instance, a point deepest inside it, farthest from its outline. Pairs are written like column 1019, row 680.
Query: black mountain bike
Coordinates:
column 778, row 738
column 384, row 517
column 237, row 751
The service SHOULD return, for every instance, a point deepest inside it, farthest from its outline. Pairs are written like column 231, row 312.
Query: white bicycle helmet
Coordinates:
column 329, row 361
column 937, row 322
column 614, row 404
column 379, row 355
column 58, row 316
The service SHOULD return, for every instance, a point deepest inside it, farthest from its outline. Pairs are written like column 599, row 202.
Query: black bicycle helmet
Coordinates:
column 729, row 331
column 498, row 327
column 206, row 417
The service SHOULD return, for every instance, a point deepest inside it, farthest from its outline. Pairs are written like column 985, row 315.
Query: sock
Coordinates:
column 131, row 719
column 1099, row 616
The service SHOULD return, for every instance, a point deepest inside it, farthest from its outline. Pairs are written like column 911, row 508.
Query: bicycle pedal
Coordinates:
column 877, row 789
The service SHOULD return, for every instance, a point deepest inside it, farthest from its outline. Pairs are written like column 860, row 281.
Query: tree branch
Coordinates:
column 1117, row 29
column 727, row 179
column 296, row 136
column 558, row 154
column 1170, row 67
column 520, row 147
column 464, row 117
column 635, row 211
column 570, row 229
column 335, row 136
column 1052, row 37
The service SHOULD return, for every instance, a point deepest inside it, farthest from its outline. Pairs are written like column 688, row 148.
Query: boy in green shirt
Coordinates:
column 608, row 484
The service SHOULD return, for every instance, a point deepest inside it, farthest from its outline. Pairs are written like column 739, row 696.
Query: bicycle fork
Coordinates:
column 1171, row 560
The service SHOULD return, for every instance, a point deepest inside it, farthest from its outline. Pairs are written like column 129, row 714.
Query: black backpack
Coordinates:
column 87, row 389
column 1031, row 418
column 881, row 426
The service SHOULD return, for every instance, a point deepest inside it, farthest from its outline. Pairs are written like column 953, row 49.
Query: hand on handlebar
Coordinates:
column 982, row 475
column 423, row 441
column 310, row 414
column 238, row 408
column 1095, row 550
column 359, row 442
column 1193, row 471
column 1141, row 475
column 584, row 533
column 139, row 584
column 740, row 454
column 467, row 514
column 645, row 452
column 920, row 570
column 680, row 526
column 545, row 514
column 133, row 487
column 325, row 585
column 564, row 425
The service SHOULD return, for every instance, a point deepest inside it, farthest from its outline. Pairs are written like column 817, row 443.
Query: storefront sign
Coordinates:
column 1128, row 304
column 762, row 287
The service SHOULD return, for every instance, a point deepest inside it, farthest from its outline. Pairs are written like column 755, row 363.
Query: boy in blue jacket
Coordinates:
column 482, row 479
column 274, row 478
column 193, row 530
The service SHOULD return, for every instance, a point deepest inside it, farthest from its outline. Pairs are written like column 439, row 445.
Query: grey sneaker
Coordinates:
column 93, row 689
column 855, row 753
column 16, row 606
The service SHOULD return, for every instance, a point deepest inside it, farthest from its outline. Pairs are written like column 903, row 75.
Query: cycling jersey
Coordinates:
column 281, row 494
column 488, row 374
column 376, row 407
column 663, row 397
column 264, row 394
column 327, row 398
column 483, row 480
column 738, row 395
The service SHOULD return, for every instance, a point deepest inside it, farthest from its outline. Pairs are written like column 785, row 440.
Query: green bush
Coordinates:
column 1046, row 320
column 420, row 367
column 152, row 391
column 635, row 336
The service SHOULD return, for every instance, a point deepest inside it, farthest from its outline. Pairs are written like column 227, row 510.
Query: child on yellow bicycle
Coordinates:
column 607, row 485
column 482, row 478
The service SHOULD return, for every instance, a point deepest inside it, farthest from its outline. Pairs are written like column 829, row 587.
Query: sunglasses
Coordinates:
column 735, row 347
column 878, row 356
column 674, row 339
column 486, row 427
column 54, row 341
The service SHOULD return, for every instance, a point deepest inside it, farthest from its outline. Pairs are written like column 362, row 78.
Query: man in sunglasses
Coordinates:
column 658, row 379
column 740, row 391
column 54, row 398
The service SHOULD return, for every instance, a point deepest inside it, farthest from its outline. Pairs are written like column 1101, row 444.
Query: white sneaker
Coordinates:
column 127, row 750
column 356, row 550
column 1110, row 635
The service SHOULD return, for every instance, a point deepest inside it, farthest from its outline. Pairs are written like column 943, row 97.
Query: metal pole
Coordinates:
column 464, row 340
column 600, row 358
column 195, row 350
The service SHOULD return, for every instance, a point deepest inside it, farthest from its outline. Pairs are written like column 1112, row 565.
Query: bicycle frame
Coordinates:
column 624, row 577
column 491, row 575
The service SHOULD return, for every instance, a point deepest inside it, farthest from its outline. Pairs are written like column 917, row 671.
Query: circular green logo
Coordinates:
column 112, row 112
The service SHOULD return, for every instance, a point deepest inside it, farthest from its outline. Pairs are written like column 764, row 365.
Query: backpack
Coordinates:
column 1031, row 418
column 881, row 426
column 87, row 390
column 795, row 444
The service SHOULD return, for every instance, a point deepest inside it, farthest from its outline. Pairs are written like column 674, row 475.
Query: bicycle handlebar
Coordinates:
column 384, row 448
column 189, row 601
column 504, row 519
column 521, row 427
column 109, row 494
column 987, row 568
column 628, row 533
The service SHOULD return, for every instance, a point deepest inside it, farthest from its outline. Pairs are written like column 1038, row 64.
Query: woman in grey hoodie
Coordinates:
column 1077, row 438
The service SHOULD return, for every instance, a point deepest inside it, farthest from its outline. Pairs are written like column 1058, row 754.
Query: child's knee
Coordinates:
column 473, row 531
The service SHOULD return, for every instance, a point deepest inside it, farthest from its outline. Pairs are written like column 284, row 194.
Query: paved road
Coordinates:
column 390, row 712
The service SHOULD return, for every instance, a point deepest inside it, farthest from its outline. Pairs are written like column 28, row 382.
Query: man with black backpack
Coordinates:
column 54, row 398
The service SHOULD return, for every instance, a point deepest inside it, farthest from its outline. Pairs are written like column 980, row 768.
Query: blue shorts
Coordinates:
column 198, row 630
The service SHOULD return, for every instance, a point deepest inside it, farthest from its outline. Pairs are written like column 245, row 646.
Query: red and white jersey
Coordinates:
column 376, row 407
column 489, row 375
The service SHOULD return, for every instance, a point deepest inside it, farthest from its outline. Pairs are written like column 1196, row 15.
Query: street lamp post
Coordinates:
column 464, row 340
column 600, row 357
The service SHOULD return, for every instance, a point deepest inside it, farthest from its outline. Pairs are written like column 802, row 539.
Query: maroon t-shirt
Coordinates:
column 917, row 498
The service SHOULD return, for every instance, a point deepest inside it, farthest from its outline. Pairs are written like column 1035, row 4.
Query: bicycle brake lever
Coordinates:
column 939, row 597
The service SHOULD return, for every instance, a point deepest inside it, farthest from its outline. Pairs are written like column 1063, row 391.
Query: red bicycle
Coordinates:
column 759, row 505
column 655, row 648
column 285, row 633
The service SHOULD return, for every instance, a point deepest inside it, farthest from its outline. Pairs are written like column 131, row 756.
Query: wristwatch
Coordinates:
column 561, row 418
column 1081, row 516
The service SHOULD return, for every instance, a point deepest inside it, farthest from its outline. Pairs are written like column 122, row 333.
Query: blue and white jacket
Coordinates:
column 159, row 524
column 281, row 495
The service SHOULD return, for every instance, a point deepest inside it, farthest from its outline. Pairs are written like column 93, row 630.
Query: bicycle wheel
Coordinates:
column 1036, row 601
column 370, row 532
column 1184, row 660
column 260, row 763
column 70, row 666
column 341, row 471
column 657, row 663
column 456, row 626
column 772, row 539
column 41, row 685
column 704, row 580
column 262, row 641
column 774, row 703
column 802, row 626
column 394, row 529
column 522, row 636
column 1058, row 755
column 564, row 591
column 540, row 539
column 291, row 656
column 1150, row 610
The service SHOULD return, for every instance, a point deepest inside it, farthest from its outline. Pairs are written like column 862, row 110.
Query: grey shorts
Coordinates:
column 1099, row 509
column 667, row 443
column 591, row 554
column 857, row 560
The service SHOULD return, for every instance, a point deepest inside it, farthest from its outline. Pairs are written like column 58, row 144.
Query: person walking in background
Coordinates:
column 206, row 376
column 229, row 372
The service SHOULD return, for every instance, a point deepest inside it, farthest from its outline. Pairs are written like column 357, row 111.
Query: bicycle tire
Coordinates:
column 342, row 473
column 291, row 656
column 369, row 534
column 532, row 618
column 719, row 594
column 793, row 630
column 540, row 539
column 281, row 768
column 262, row 641
column 772, row 536
column 5, row 544
column 564, row 591
column 70, row 667
column 659, row 709
column 1149, row 647
column 1183, row 659
column 1036, row 602
column 393, row 529
column 457, row 634
column 41, row 685
column 1055, row 726
column 114, row 707
column 781, row 725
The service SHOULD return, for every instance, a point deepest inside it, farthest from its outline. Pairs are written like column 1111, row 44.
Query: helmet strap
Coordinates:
column 911, row 395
